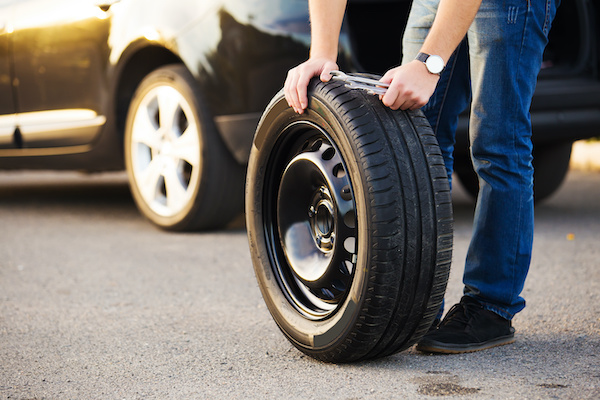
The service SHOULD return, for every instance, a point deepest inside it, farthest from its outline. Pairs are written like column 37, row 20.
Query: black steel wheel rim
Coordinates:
column 310, row 220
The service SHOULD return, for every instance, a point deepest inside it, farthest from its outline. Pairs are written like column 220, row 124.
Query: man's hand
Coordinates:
column 326, row 18
column 297, row 80
column 411, row 86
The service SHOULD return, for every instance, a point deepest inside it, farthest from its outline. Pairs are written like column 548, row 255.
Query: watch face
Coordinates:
column 435, row 64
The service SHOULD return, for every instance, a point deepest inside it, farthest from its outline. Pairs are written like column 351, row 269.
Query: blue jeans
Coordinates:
column 495, row 69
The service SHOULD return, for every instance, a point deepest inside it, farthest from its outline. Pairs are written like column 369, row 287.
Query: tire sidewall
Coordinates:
column 309, row 335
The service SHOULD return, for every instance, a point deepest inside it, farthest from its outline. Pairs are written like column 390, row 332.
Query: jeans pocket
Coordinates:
column 550, row 12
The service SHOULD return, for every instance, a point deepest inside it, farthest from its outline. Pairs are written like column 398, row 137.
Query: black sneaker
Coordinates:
column 468, row 327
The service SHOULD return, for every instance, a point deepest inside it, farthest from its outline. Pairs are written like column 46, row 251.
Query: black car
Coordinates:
column 172, row 91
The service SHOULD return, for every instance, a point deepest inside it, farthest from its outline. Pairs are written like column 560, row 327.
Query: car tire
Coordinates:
column 349, row 221
column 550, row 162
column 181, row 175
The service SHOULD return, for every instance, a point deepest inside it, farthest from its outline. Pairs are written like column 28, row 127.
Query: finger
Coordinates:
column 398, row 100
column 416, row 105
column 407, row 105
column 287, row 89
column 387, row 77
column 293, row 93
column 326, row 73
column 392, row 98
column 415, row 102
column 302, row 90
column 325, row 76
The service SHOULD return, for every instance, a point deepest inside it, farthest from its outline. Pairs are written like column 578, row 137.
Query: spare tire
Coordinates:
column 349, row 222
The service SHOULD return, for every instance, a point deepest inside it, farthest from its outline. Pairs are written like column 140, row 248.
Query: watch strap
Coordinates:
column 422, row 57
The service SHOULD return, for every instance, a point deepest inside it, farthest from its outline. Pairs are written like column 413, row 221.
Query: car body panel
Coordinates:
column 58, row 57
column 240, row 52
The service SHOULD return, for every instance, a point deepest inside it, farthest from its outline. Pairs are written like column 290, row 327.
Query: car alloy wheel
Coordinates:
column 165, row 150
column 181, row 174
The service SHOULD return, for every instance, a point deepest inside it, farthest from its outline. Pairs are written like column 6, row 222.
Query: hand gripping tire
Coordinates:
column 349, row 223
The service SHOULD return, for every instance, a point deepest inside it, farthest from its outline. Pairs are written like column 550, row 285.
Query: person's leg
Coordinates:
column 452, row 94
column 507, row 41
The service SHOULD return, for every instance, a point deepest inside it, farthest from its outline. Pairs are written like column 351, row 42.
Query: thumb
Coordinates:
column 388, row 77
column 327, row 68
column 325, row 76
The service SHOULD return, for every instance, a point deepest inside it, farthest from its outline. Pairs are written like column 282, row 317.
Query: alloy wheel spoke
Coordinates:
column 149, row 179
column 176, row 189
column 168, row 106
column 186, row 146
column 145, row 131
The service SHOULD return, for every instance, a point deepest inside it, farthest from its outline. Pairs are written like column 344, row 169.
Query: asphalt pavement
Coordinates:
column 95, row 303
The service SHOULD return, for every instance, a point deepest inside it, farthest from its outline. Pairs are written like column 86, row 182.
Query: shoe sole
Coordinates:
column 450, row 348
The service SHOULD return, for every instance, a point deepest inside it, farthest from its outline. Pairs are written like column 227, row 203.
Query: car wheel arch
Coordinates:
column 135, row 65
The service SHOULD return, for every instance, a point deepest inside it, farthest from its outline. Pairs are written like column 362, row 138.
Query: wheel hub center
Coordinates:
column 322, row 221
column 166, row 146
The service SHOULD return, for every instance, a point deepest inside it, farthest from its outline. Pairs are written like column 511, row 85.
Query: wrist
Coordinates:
column 323, row 55
column 324, row 50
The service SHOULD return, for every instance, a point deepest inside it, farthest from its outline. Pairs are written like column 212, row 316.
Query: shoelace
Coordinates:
column 461, row 315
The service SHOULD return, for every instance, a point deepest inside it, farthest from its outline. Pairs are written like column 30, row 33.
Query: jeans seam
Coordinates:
column 518, row 227
column 547, row 17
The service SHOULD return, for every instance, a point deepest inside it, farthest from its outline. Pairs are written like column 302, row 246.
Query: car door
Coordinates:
column 7, row 106
column 60, row 56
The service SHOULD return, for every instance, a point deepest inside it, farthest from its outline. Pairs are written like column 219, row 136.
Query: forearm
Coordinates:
column 326, row 18
column 450, row 26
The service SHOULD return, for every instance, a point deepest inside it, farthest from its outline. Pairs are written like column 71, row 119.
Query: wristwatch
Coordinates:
column 434, row 64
